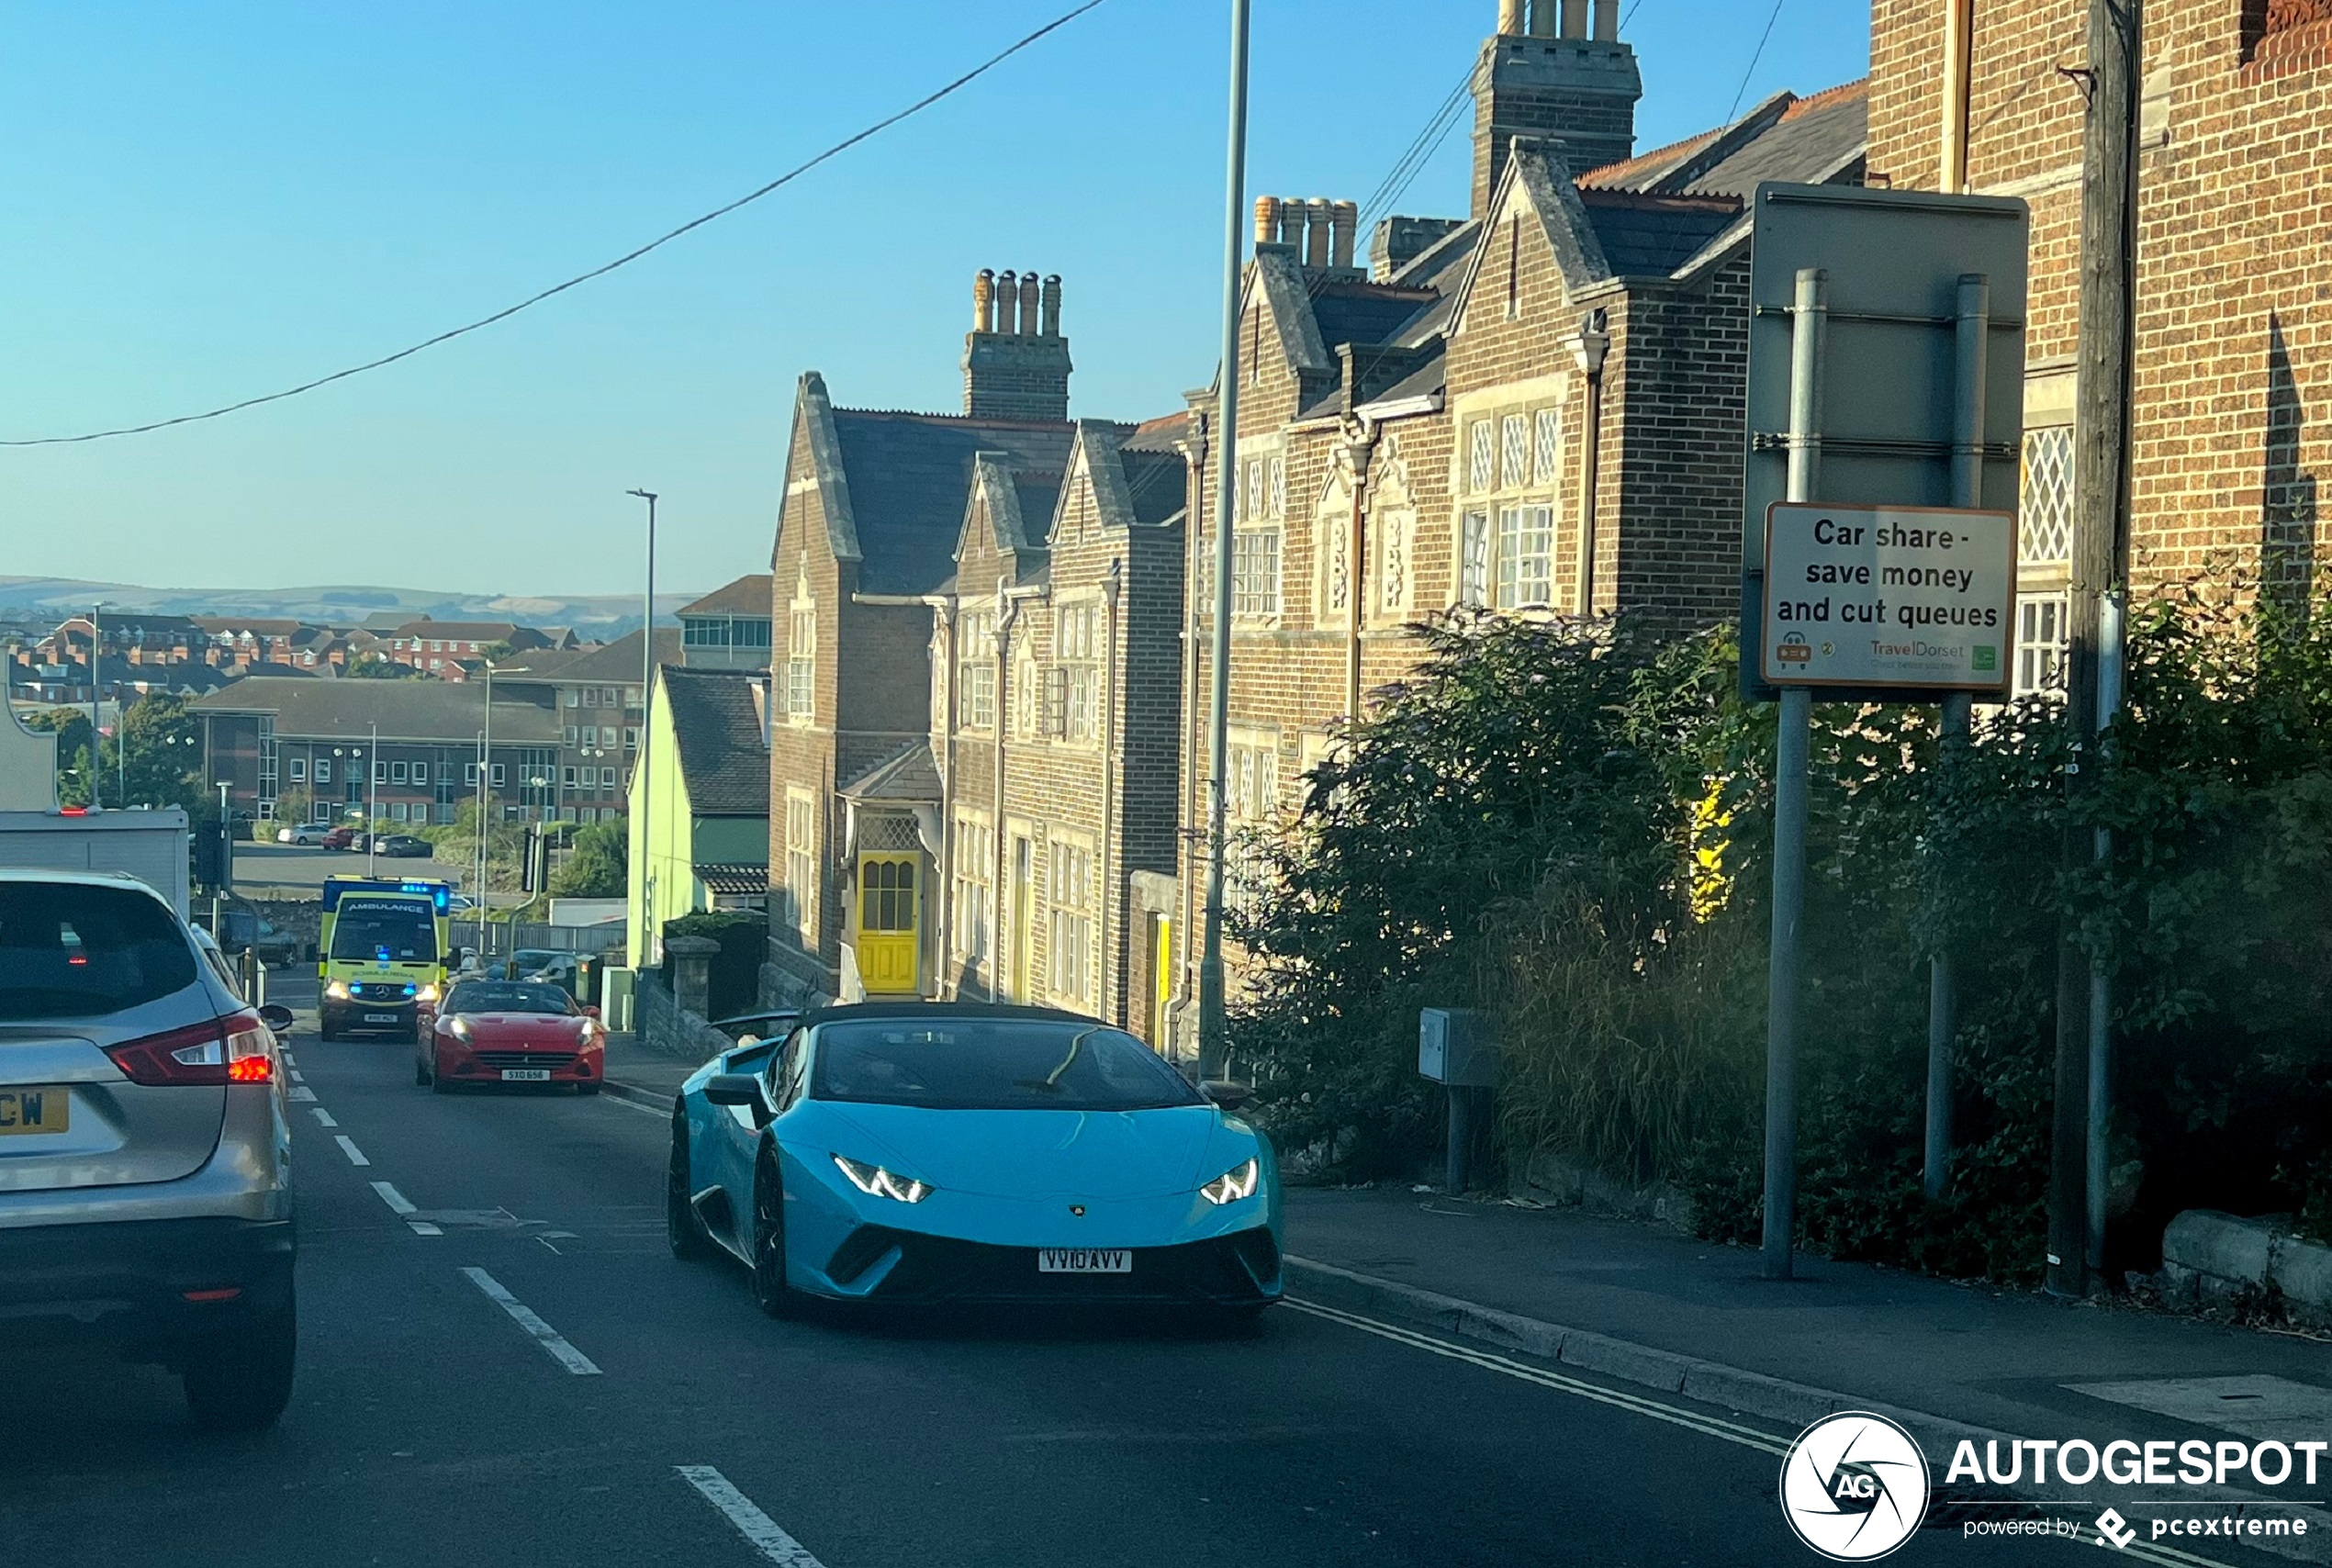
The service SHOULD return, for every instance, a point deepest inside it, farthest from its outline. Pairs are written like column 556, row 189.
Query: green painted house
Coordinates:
column 700, row 808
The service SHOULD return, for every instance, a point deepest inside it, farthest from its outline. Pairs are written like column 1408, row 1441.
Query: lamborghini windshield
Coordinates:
column 1002, row 1064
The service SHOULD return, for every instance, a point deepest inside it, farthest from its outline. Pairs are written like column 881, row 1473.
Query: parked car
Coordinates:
column 943, row 1151
column 144, row 1147
column 405, row 845
column 339, row 838
column 512, row 1032
column 521, row 963
column 239, row 929
column 307, row 835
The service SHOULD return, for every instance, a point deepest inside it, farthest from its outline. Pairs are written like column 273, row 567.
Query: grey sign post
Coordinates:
column 1886, row 368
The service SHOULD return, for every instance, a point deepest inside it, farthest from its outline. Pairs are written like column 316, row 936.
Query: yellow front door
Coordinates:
column 889, row 925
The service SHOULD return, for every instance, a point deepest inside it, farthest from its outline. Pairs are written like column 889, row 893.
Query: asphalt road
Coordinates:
column 650, row 1413
column 291, row 866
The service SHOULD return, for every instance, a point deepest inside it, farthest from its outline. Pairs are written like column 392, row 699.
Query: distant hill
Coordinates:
column 594, row 615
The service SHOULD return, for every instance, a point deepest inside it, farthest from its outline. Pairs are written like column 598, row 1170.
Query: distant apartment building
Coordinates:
column 2234, row 181
column 401, row 751
column 595, row 692
column 729, row 627
column 446, row 648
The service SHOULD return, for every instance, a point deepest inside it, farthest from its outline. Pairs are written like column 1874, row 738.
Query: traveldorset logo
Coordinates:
column 1853, row 1487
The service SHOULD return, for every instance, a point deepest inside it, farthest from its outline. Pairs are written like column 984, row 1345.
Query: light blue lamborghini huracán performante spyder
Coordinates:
column 945, row 1152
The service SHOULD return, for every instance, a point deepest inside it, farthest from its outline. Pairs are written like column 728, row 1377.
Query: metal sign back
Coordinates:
column 1894, row 261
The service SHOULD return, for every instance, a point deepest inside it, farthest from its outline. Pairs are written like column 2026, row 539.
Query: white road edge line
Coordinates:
column 348, row 1147
column 323, row 1117
column 397, row 1203
column 545, row 1335
column 635, row 1105
column 1675, row 1414
column 757, row 1526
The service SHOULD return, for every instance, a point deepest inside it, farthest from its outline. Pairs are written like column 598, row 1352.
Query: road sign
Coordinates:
column 1920, row 358
column 1918, row 598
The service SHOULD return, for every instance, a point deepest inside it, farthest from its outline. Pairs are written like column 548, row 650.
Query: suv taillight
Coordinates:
column 236, row 1048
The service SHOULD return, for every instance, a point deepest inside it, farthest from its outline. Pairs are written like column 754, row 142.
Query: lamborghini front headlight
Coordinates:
column 1237, row 1182
column 876, row 1183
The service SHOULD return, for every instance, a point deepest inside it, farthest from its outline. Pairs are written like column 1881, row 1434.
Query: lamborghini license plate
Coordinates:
column 1085, row 1261
column 526, row 1075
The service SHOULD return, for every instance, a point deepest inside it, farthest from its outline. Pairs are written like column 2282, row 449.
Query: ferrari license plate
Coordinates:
column 35, row 1109
column 1083, row 1260
column 526, row 1075
column 382, row 1018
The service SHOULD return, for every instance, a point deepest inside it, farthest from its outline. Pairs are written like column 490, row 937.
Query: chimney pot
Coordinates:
column 1266, row 220
column 1542, row 18
column 1345, row 218
column 1007, row 301
column 1575, row 18
column 1321, row 213
column 1293, row 216
column 983, row 301
column 1052, row 305
column 1030, row 287
column 1510, row 18
column 1607, row 21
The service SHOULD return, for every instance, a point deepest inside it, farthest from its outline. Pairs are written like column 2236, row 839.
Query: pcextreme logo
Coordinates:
column 1853, row 1487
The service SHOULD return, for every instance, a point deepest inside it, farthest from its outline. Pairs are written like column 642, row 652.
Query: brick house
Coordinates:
column 1537, row 408
column 2233, row 311
column 441, row 648
column 595, row 694
column 1056, row 725
column 873, row 508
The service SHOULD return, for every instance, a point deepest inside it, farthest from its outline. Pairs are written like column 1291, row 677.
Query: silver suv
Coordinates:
column 145, row 1147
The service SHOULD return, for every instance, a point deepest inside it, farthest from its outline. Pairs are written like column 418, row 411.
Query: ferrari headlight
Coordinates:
column 876, row 1183
column 1233, row 1184
column 459, row 1028
column 337, row 991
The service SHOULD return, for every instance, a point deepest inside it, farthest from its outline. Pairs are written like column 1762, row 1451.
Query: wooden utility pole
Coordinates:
column 2101, row 516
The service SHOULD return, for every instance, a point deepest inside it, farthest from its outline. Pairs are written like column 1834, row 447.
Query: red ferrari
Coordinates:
column 512, row 1032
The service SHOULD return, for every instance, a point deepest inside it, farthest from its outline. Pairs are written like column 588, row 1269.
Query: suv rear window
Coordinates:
column 69, row 950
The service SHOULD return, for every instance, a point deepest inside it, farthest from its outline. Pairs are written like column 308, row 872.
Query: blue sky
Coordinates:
column 207, row 202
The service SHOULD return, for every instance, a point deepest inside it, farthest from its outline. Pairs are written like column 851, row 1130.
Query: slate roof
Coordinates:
column 724, row 757
column 609, row 663
column 1157, row 482
column 1816, row 140
column 404, row 710
column 732, row 879
column 910, row 776
column 749, row 595
column 910, row 477
column 1652, row 235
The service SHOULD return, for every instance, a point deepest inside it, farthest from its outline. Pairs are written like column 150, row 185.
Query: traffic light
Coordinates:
column 210, row 854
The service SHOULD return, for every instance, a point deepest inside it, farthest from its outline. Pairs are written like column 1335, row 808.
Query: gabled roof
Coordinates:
column 896, row 485
column 724, row 755
column 610, row 663
column 1810, row 140
column 749, row 595
column 1132, row 487
column 1017, row 506
column 909, row 777
column 1651, row 236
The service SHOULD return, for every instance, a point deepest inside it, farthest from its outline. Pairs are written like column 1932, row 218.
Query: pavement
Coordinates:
column 501, row 1361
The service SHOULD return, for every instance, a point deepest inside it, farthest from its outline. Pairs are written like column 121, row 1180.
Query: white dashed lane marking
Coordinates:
column 323, row 1117
column 398, row 1202
column 757, row 1526
column 301, row 1093
column 556, row 1347
column 348, row 1147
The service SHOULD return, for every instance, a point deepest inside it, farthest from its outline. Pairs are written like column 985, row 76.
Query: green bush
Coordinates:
column 1569, row 824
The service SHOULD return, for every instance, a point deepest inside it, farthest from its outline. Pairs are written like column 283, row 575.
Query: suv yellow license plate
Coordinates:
column 1085, row 1261
column 36, row 1108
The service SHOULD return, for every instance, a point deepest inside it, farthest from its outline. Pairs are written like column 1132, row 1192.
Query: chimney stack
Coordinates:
column 1345, row 221
column 1267, row 220
column 1015, row 360
column 1553, row 83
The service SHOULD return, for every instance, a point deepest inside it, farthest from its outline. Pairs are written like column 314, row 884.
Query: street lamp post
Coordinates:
column 485, row 782
column 97, row 685
column 372, row 801
column 638, row 805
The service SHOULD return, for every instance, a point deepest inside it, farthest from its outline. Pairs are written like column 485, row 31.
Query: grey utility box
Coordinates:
column 1455, row 1047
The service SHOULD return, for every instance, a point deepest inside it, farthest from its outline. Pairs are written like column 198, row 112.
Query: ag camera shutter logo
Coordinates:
column 1853, row 1487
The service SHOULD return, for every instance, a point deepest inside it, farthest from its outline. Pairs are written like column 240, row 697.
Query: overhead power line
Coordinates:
column 599, row 272
column 1762, row 39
